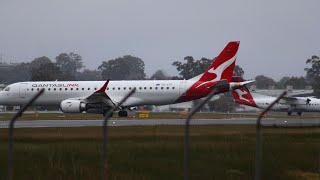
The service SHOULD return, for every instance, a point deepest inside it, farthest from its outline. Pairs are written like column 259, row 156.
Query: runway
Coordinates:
column 150, row 122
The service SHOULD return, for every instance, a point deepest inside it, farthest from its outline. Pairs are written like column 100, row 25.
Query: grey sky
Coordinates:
column 276, row 36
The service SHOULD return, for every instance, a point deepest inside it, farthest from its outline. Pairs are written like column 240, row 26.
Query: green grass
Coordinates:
column 156, row 152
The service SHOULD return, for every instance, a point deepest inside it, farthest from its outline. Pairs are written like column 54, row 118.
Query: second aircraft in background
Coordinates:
column 286, row 104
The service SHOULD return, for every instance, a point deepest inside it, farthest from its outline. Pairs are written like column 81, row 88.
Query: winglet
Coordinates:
column 103, row 88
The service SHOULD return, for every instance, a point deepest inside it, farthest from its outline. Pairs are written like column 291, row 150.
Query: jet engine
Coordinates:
column 73, row 106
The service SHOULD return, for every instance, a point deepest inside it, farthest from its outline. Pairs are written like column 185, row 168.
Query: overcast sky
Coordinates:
column 277, row 36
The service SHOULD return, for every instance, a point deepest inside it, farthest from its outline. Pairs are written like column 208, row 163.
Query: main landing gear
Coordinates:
column 298, row 113
column 123, row 113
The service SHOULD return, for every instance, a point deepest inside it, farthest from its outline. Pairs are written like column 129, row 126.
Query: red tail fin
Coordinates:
column 222, row 67
column 242, row 95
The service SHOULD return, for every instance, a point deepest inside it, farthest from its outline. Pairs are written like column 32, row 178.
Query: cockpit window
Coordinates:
column 7, row 89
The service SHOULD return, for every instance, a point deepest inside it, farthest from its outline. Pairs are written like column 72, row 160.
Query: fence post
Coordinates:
column 259, row 137
column 105, row 131
column 10, row 132
column 218, row 86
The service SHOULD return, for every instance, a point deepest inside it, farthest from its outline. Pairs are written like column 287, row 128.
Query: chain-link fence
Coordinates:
column 186, row 154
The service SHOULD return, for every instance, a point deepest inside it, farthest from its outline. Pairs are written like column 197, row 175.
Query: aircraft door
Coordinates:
column 22, row 90
column 183, row 88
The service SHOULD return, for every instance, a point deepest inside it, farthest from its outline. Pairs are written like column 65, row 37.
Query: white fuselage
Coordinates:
column 263, row 102
column 148, row 92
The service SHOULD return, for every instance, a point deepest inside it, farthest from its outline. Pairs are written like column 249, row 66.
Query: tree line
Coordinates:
column 69, row 66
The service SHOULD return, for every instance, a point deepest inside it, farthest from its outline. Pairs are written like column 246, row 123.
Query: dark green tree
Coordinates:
column 296, row 82
column 16, row 73
column 281, row 84
column 123, row 68
column 89, row 75
column 225, row 103
column 43, row 69
column 192, row 68
column 238, row 71
column 37, row 62
column 314, row 70
column 45, row 72
column 263, row 82
column 159, row 75
column 313, row 73
column 69, row 65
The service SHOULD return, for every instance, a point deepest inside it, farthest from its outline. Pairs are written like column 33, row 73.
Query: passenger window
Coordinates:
column 66, row 89
column 77, row 89
column 150, row 87
column 124, row 88
column 172, row 87
column 161, row 87
column 129, row 88
column 107, row 88
column 88, row 89
column 95, row 89
column 48, row 89
column 71, row 89
column 167, row 87
column 82, row 89
column 118, row 88
column 60, row 89
column 113, row 88
column 31, row 89
column 140, row 88
column 156, row 87
column 145, row 87
column 38, row 89
column 54, row 89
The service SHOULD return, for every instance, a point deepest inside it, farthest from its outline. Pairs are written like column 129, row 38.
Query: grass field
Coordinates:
column 156, row 152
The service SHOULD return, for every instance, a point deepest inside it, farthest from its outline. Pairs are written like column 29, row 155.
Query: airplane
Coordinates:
column 100, row 96
column 286, row 104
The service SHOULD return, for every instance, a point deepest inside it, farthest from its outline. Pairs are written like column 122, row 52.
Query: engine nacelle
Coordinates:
column 72, row 106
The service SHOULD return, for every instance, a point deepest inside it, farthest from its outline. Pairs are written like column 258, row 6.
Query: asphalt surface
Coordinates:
column 150, row 122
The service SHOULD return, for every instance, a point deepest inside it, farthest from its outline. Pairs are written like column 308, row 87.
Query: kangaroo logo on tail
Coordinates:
column 219, row 70
column 242, row 95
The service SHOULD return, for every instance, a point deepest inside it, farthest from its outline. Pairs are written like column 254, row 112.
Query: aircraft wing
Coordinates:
column 296, row 100
column 100, row 96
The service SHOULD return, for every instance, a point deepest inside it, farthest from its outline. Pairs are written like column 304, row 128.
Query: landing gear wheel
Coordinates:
column 289, row 113
column 123, row 114
column 299, row 113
